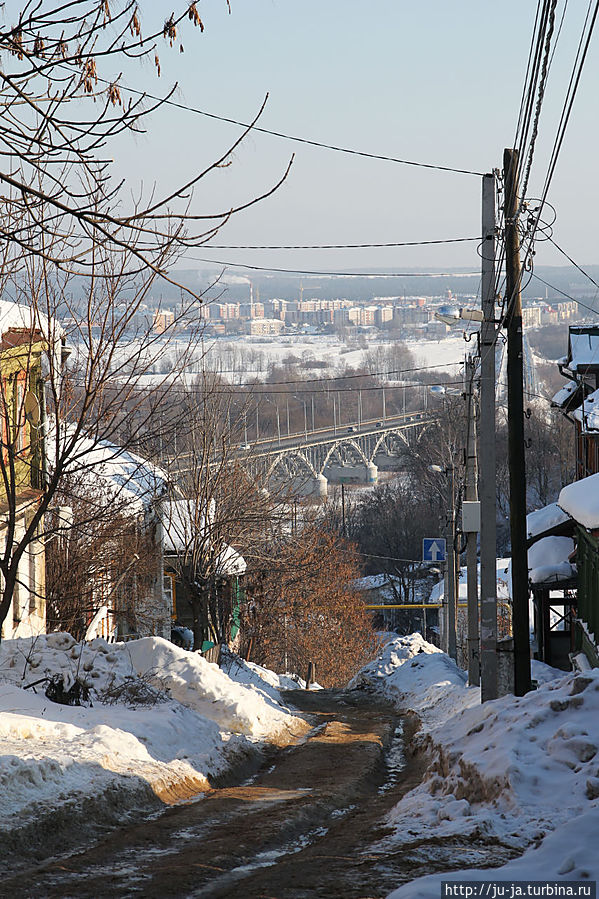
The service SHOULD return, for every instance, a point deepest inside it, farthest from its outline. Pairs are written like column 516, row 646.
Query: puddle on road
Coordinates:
column 261, row 860
column 253, row 793
column 395, row 760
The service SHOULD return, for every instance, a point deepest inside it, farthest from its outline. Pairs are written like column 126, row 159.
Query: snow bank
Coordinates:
column 162, row 722
column 420, row 677
column 520, row 770
column 258, row 678
column 567, row 854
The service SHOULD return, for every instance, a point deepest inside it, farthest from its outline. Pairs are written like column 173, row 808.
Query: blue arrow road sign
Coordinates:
column 433, row 549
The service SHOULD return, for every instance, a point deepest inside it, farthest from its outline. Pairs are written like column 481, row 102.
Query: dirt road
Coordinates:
column 305, row 826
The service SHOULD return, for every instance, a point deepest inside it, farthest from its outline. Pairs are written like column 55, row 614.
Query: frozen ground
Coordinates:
column 160, row 722
column 251, row 357
column 521, row 771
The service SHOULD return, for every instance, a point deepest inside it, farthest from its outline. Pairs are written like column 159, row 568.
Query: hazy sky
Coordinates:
column 432, row 81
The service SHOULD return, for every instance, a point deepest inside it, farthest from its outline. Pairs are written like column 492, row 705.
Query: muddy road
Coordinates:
column 307, row 825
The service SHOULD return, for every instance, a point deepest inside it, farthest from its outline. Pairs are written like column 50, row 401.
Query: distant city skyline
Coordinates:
column 435, row 83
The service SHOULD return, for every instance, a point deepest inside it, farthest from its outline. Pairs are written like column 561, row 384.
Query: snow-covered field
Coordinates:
column 524, row 771
column 252, row 357
column 160, row 722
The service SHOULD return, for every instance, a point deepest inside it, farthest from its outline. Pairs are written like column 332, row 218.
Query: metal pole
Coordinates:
column 305, row 419
column 471, row 495
column 334, row 416
column 487, row 454
column 257, row 426
column 312, row 398
column 288, row 416
column 278, row 426
column 384, row 409
column 515, row 402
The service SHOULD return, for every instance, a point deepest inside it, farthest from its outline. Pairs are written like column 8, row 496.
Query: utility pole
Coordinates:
column 515, row 391
column 452, row 581
column 487, row 455
column 471, row 526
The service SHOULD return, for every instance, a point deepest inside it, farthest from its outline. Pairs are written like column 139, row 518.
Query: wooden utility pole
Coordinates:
column 515, row 393
column 487, row 453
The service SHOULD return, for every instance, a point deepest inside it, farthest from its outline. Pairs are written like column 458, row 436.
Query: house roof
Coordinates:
column 551, row 520
column 549, row 561
column 583, row 348
column 117, row 479
column 587, row 412
column 16, row 316
column 181, row 522
column 569, row 396
column 581, row 501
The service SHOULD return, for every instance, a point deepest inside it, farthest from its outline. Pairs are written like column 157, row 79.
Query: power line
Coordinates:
column 338, row 246
column 296, row 138
column 294, row 271
column 369, row 374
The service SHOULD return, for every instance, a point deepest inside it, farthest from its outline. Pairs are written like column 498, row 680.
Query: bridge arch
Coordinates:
column 344, row 442
column 281, row 458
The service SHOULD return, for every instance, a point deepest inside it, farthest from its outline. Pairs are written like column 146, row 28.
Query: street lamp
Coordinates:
column 449, row 315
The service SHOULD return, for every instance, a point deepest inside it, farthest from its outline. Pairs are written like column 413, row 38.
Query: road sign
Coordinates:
column 434, row 549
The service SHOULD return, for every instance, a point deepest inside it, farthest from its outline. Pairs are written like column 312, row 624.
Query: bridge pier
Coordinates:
column 352, row 474
column 315, row 487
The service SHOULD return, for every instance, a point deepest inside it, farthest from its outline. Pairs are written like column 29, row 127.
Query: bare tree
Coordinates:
column 301, row 607
column 78, row 260
column 219, row 511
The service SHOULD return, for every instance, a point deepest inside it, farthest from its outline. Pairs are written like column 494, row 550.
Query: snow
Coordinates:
column 503, row 584
column 163, row 721
column 418, row 676
column 564, row 393
column 112, row 473
column 542, row 520
column 583, row 350
column 182, row 522
column 520, row 770
column 18, row 316
column 580, row 500
column 548, row 560
column 588, row 412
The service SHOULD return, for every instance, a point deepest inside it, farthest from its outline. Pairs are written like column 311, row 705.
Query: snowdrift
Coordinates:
column 520, row 770
column 161, row 723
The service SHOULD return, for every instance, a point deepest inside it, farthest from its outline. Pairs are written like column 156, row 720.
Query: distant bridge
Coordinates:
column 345, row 454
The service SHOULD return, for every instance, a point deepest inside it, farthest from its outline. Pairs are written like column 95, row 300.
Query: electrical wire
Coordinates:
column 295, row 138
column 341, row 246
column 295, row 271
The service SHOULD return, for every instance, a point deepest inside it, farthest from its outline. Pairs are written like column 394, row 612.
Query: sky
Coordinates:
column 433, row 82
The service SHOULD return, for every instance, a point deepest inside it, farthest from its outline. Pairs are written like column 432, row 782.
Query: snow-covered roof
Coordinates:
column 588, row 412
column 116, row 477
column 583, row 348
column 564, row 394
column 180, row 523
column 548, row 560
column 16, row 315
column 438, row 591
column 581, row 501
column 545, row 520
